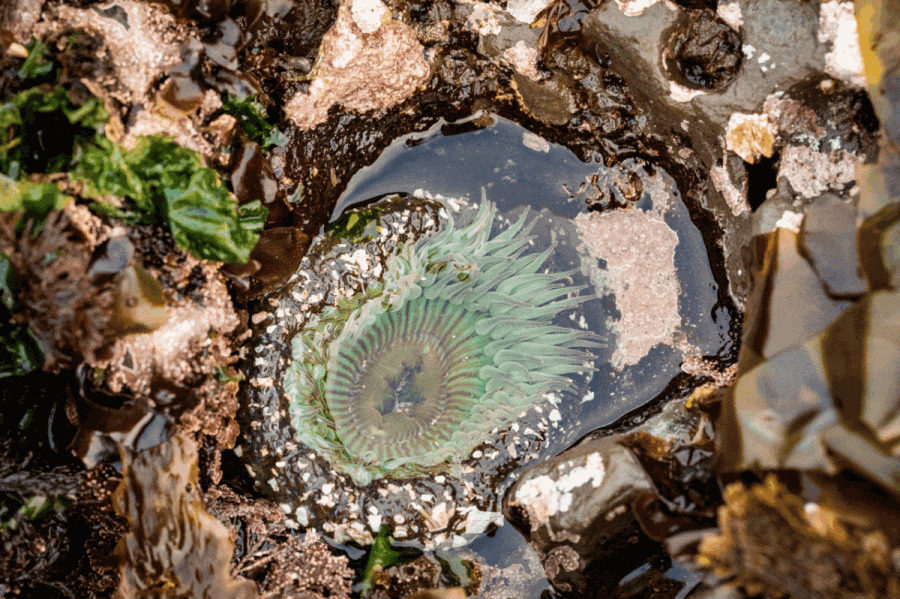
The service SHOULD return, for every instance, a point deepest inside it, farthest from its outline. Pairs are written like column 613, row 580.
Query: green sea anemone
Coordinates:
column 456, row 341
column 416, row 360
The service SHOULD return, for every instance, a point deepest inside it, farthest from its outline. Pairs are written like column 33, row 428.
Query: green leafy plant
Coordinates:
column 254, row 118
column 46, row 132
column 42, row 132
column 221, row 374
column 34, row 507
column 20, row 352
column 381, row 557
column 168, row 183
column 35, row 65
column 33, row 200
column 7, row 283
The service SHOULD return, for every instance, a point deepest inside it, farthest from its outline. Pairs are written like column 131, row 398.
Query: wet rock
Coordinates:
column 284, row 45
column 729, row 178
column 526, row 11
column 805, row 142
column 778, row 40
column 284, row 564
column 777, row 110
column 586, row 510
column 524, row 60
column 422, row 575
column 308, row 568
column 19, row 16
column 703, row 52
column 170, row 351
column 550, row 101
column 506, row 38
column 136, row 57
column 812, row 173
column 503, row 35
column 143, row 41
column 575, row 510
column 821, row 132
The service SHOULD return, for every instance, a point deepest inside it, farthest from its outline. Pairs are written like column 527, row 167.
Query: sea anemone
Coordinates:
column 458, row 342
column 446, row 337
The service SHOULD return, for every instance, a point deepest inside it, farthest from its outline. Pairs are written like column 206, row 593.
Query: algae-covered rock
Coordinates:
column 779, row 545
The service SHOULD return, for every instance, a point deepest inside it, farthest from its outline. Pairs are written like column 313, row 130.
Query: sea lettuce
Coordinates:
column 255, row 119
column 168, row 183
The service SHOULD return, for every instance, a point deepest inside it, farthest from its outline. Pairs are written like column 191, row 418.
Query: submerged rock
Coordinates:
column 642, row 274
column 575, row 509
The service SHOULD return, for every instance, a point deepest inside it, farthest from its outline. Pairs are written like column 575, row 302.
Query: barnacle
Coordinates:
column 448, row 339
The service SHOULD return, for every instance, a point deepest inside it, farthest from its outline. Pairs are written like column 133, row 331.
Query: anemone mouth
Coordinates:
column 404, row 383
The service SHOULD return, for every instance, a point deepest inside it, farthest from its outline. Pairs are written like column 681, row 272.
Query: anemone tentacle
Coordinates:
column 455, row 342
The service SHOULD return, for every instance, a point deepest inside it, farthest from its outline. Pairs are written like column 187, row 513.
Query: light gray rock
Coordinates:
column 578, row 509
column 575, row 511
column 780, row 47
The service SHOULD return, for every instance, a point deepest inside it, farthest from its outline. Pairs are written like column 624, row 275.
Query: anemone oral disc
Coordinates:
column 396, row 387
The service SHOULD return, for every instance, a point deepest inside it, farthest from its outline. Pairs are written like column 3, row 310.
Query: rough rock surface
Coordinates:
column 575, row 510
column 643, row 273
column 144, row 40
column 586, row 508
column 783, row 44
column 367, row 61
